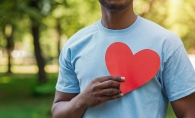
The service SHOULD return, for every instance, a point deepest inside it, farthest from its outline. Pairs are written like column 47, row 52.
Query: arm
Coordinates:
column 67, row 105
column 100, row 90
column 184, row 107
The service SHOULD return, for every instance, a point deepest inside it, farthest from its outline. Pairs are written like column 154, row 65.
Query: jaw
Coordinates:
column 115, row 5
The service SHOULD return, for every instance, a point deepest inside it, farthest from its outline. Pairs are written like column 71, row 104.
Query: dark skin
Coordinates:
column 184, row 107
column 99, row 90
column 103, row 89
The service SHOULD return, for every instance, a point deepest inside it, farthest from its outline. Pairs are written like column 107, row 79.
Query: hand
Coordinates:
column 101, row 90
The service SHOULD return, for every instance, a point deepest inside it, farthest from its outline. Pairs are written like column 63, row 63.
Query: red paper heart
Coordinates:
column 138, row 69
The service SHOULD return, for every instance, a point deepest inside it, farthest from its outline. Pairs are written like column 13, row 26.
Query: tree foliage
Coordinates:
column 8, row 26
column 175, row 15
column 57, row 20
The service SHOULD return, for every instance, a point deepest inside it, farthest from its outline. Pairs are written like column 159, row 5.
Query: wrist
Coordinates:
column 80, row 102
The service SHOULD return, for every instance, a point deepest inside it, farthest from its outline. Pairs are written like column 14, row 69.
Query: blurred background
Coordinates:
column 32, row 33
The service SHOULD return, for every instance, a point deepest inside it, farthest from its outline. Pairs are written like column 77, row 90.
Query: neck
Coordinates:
column 118, row 20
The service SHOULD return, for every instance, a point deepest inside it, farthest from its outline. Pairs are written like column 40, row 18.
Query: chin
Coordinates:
column 115, row 5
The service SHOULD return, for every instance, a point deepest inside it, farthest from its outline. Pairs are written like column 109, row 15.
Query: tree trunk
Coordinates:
column 58, row 29
column 9, row 47
column 9, row 61
column 37, row 49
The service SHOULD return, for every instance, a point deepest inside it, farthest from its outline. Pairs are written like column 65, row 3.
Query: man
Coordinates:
column 86, row 89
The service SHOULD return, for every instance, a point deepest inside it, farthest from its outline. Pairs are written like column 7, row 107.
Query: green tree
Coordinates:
column 8, row 15
column 184, row 23
column 177, row 16
column 70, row 16
column 12, row 12
column 35, row 30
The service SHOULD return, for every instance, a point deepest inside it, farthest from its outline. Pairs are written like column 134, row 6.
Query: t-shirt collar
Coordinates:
column 121, row 31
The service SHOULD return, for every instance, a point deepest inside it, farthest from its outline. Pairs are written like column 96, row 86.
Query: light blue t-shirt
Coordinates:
column 83, row 59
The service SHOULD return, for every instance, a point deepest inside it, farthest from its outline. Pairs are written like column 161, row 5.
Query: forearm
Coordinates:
column 68, row 109
column 69, row 105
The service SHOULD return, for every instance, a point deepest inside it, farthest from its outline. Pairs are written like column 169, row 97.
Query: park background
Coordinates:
column 32, row 33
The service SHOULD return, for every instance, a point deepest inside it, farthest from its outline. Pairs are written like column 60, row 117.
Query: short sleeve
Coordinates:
column 178, row 75
column 67, row 79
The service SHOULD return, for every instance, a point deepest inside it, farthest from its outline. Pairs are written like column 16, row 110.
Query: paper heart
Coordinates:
column 138, row 69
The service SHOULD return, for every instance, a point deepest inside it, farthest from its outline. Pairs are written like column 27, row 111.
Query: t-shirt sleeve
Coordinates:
column 67, row 79
column 178, row 75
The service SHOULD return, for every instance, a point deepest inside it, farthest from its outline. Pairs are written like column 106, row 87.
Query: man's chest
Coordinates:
column 98, row 60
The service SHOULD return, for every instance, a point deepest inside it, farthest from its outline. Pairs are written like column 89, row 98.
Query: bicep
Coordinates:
column 184, row 107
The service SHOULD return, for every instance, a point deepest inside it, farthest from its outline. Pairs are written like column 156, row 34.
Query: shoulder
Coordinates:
column 79, row 40
column 159, row 33
column 163, row 40
column 82, row 34
column 153, row 28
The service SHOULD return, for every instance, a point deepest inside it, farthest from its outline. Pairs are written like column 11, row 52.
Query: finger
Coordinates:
column 118, row 78
column 109, row 92
column 116, row 96
column 115, row 78
column 108, row 98
column 109, row 84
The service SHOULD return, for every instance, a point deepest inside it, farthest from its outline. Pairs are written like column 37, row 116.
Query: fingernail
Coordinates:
column 122, row 94
column 123, row 78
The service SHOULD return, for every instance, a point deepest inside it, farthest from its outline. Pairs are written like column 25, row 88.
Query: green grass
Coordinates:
column 170, row 113
column 19, row 98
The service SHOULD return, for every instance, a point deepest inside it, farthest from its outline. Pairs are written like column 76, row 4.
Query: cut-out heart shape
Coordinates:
column 138, row 69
